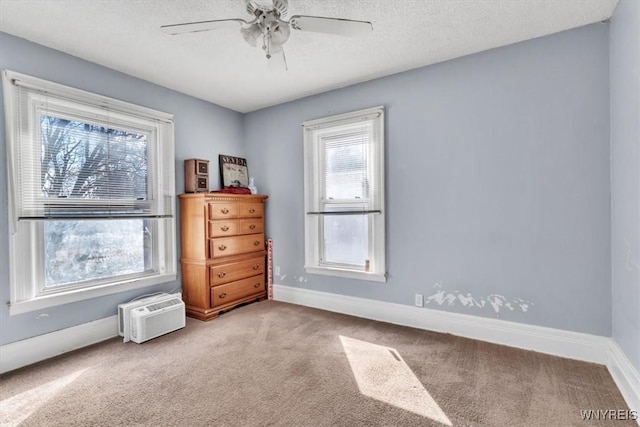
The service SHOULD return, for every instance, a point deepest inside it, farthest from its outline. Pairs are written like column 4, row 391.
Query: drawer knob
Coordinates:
column 222, row 247
column 224, row 211
column 222, row 274
column 222, row 295
column 252, row 210
column 256, row 266
column 252, row 226
column 224, row 228
column 257, row 285
column 256, row 243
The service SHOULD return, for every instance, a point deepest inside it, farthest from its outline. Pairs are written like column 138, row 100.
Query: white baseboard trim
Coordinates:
column 625, row 376
column 557, row 342
column 22, row 353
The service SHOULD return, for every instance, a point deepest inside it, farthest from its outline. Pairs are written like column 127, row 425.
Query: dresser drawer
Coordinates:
column 223, row 210
column 250, row 210
column 225, row 294
column 222, row 227
column 251, row 226
column 235, row 271
column 225, row 246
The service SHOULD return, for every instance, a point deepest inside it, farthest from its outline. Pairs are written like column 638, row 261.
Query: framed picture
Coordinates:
column 233, row 171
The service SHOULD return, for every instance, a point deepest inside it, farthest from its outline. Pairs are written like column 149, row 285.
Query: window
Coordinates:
column 344, row 195
column 91, row 194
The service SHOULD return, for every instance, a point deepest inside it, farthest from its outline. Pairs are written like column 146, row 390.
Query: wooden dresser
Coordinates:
column 223, row 251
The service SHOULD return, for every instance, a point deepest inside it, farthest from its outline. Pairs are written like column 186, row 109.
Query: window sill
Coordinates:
column 349, row 274
column 75, row 295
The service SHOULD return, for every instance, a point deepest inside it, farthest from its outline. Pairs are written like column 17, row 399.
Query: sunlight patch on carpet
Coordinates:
column 382, row 374
column 18, row 408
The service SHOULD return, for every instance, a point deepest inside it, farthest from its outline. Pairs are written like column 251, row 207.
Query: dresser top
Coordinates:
column 226, row 196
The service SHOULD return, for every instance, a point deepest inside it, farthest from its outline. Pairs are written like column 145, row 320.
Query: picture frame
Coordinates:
column 233, row 172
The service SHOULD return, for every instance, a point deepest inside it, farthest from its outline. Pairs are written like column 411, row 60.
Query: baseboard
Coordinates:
column 572, row 345
column 625, row 376
column 22, row 353
column 556, row 342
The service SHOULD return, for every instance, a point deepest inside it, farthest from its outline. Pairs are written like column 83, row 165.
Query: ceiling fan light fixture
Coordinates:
column 280, row 34
column 251, row 34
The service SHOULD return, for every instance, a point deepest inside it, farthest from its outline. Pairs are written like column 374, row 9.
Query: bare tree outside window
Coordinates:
column 81, row 160
column 87, row 161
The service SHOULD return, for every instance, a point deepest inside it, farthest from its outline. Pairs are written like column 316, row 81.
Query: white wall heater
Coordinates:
column 150, row 317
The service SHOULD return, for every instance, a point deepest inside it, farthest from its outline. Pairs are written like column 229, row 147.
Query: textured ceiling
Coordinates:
column 218, row 66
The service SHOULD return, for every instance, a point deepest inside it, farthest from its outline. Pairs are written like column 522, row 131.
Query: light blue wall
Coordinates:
column 202, row 130
column 625, row 177
column 497, row 178
column 497, row 181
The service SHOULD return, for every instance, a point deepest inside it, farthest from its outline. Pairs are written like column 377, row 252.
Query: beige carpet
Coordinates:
column 277, row 364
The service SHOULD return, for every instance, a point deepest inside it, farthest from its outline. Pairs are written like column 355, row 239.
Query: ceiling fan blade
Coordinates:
column 278, row 61
column 318, row 24
column 195, row 27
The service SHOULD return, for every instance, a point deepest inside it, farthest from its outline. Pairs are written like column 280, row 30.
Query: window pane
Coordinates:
column 85, row 161
column 346, row 239
column 77, row 251
column 345, row 168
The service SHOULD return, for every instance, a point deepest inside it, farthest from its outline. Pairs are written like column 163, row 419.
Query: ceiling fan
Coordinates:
column 270, row 27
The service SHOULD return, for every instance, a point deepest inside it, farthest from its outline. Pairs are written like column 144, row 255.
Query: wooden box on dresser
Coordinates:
column 223, row 252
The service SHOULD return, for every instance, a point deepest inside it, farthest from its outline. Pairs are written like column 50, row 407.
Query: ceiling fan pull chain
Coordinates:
column 269, row 45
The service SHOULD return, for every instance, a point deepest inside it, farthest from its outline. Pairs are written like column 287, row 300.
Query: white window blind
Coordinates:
column 346, row 165
column 79, row 155
column 344, row 194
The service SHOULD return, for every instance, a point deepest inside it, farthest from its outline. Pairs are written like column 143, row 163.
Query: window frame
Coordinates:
column 26, row 237
column 313, row 201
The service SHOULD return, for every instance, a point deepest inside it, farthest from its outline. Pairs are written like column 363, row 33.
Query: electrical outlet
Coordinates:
column 418, row 300
column 277, row 270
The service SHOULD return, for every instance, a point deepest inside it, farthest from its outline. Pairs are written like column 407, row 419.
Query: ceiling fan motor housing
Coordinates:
column 255, row 6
